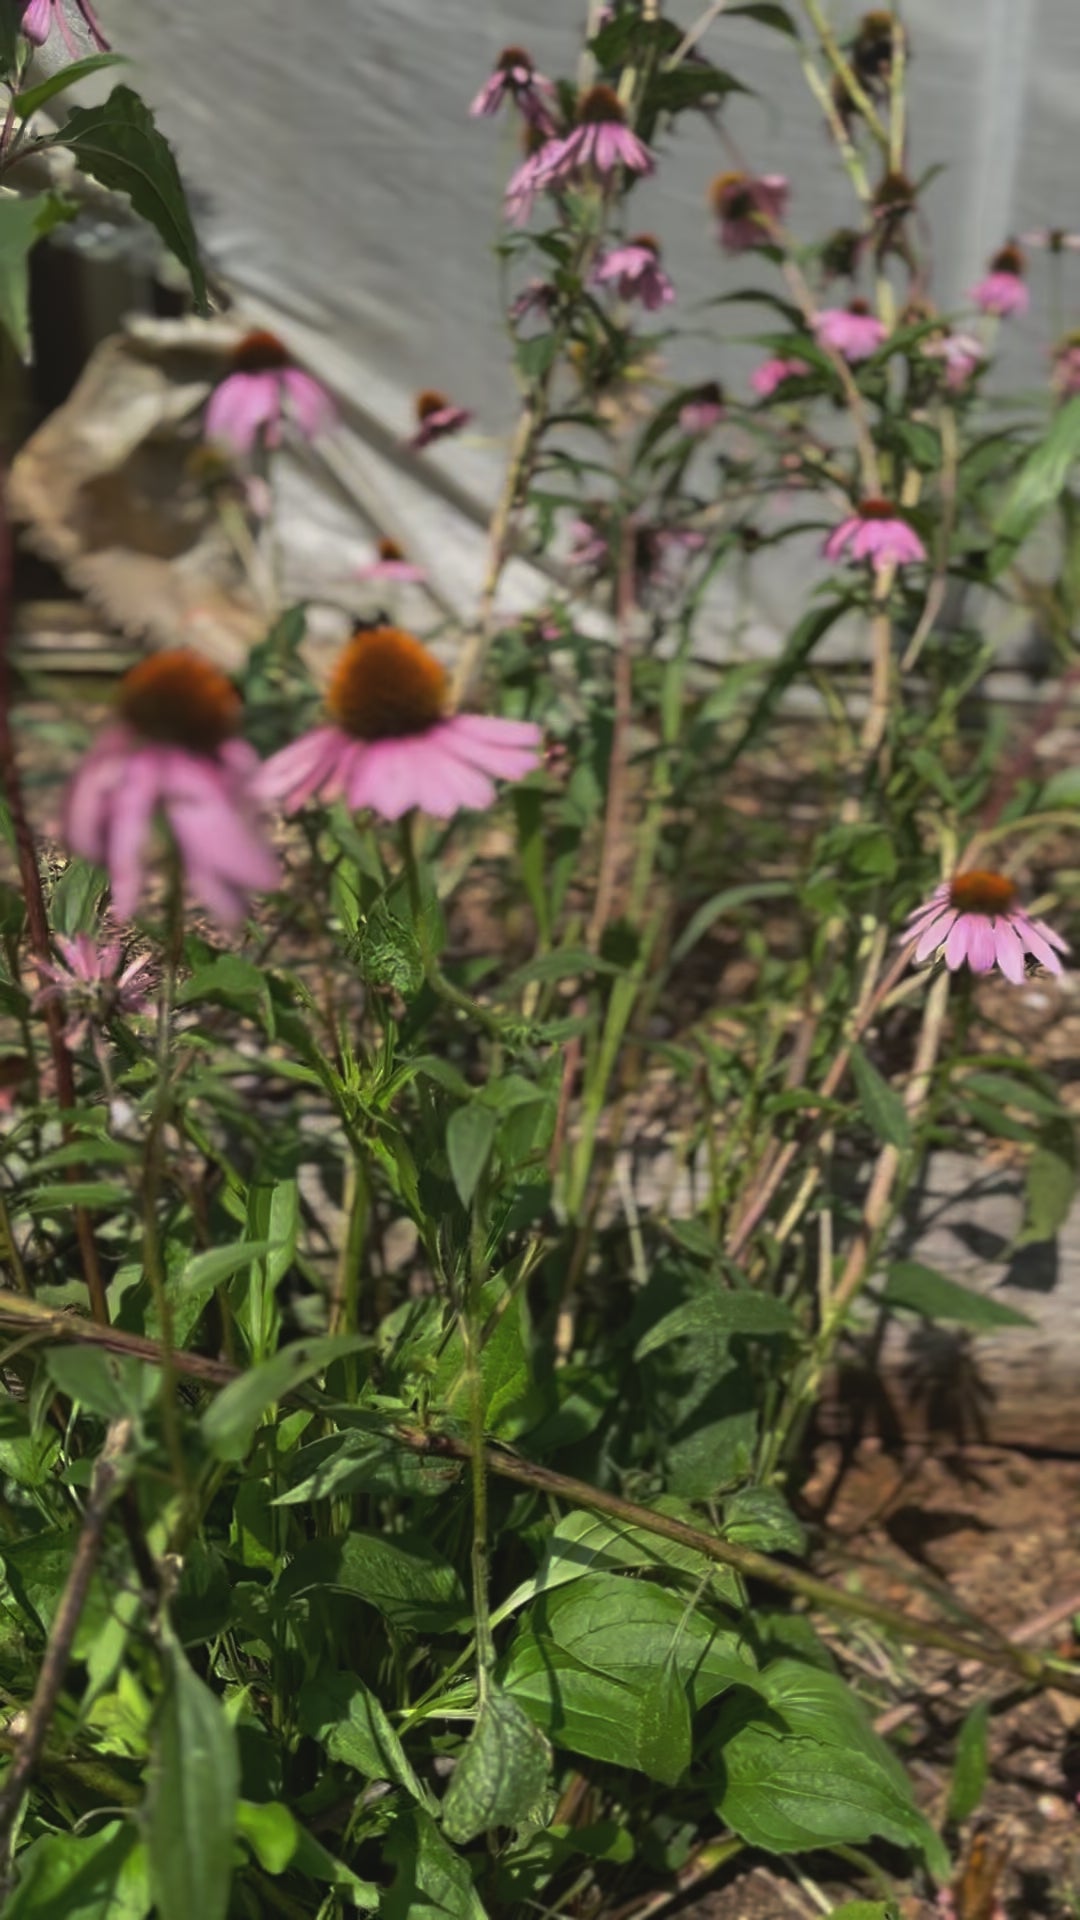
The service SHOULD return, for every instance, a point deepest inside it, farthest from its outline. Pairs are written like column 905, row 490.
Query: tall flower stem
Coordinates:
column 153, row 1175
column 37, row 920
column 472, row 1337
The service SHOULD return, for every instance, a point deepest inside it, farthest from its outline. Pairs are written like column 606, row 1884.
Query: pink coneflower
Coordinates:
column 773, row 373
column 594, row 540
column 89, row 981
column 748, row 207
column 262, row 391
column 172, row 753
column 975, row 918
column 1054, row 239
column 435, row 417
column 391, row 745
column 875, row 532
column 525, row 183
column 601, row 141
column 391, row 564
column 852, row 331
column 515, row 78
column 1001, row 291
column 1065, row 377
column 40, row 16
column 635, row 268
column 704, row 410
column 536, row 296
column 960, row 354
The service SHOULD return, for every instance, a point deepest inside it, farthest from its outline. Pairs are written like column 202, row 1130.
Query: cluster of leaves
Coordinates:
column 441, row 1422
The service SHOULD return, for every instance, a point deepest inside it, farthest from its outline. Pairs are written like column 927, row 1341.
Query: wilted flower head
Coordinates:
column 872, row 48
column 262, row 391
column 773, row 373
column 852, row 331
column 390, row 744
column 878, row 533
column 960, row 354
column 1065, row 377
column 601, row 143
column 390, row 564
column 435, row 417
column 90, row 982
column 1001, row 291
column 515, row 78
column 748, row 207
column 40, row 16
column 840, row 253
column 635, row 268
column 172, row 754
column 975, row 918
column 704, row 410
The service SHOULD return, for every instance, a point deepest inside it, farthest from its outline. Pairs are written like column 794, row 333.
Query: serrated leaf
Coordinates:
column 339, row 1711
column 760, row 1517
column 119, row 145
column 114, row 1385
column 470, row 1136
column 500, row 1779
column 971, row 1769
column 663, row 1739
column 22, row 224
column 432, row 1882
column 405, row 1577
column 923, row 1290
column 191, row 1808
column 737, row 1310
column 881, row 1104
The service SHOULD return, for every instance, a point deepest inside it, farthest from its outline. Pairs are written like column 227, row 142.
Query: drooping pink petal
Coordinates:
column 313, row 409
column 385, row 777
column 932, row 932
column 509, row 749
column 1040, row 941
column 981, row 946
column 298, row 771
column 242, row 404
column 839, row 537
column 1008, row 949
column 37, row 21
column 449, row 782
column 131, row 818
column 88, row 797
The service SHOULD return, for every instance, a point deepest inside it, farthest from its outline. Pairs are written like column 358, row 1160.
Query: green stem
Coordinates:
column 472, row 1336
column 153, row 1176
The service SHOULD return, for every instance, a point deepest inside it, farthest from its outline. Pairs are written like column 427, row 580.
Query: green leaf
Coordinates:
column 770, row 15
column 1062, row 789
column 110, row 1384
column 731, row 897
column 470, row 1136
column 585, row 1712
column 22, row 224
column 663, row 1740
column 312, row 1858
column 1041, row 480
column 34, row 98
column 738, row 1310
column 405, row 1577
column 271, row 1831
column 119, row 145
column 76, row 897
column 338, row 1711
column 58, row 1196
column 760, row 1517
column 101, row 1875
column 802, row 1768
column 881, row 1104
column 191, row 1808
column 972, row 1766
column 229, row 1423
column 584, row 1543
column 1050, row 1183
column 923, row 1290
column 229, row 981
column 502, row 1774
column 432, row 1882
column 866, row 1910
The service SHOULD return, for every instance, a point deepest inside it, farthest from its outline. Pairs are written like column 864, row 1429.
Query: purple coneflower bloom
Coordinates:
column 536, row 296
column 772, row 374
column 172, row 753
column 976, row 918
column 852, row 331
column 40, row 16
column 1001, row 291
column 263, row 390
column 601, row 141
column 748, row 207
column 704, row 410
column 875, row 532
column 435, row 416
column 391, row 745
column 390, row 564
column 960, row 354
column 515, row 78
column 91, row 984
column 635, row 268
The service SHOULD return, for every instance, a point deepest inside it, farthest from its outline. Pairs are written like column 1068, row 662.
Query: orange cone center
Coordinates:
column 386, row 686
column 180, row 699
column 980, row 892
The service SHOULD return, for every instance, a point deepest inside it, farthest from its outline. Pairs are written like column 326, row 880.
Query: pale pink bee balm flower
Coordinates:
column 40, row 16
column 391, row 745
column 636, row 271
column 90, row 982
column 749, row 207
column 852, row 331
column 976, row 919
column 1001, row 291
column 773, row 373
column 264, row 390
column 877, row 532
column 171, row 754
column 960, row 354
